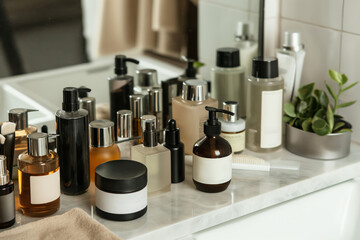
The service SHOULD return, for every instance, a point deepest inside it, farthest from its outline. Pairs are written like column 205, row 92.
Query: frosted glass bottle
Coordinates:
column 189, row 111
column 265, row 104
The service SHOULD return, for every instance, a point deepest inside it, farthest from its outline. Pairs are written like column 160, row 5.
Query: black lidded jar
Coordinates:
column 7, row 200
column 121, row 190
column 212, row 159
column 73, row 144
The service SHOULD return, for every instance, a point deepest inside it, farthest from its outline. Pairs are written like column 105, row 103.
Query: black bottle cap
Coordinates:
column 120, row 64
column 172, row 133
column 149, row 134
column 83, row 93
column 265, row 67
column 227, row 57
column 71, row 98
column 212, row 126
column 121, row 176
column 190, row 71
column 44, row 129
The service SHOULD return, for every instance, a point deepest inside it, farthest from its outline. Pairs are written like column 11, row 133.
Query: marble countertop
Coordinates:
column 185, row 210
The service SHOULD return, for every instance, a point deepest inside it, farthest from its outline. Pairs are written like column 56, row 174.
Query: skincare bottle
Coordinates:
column 7, row 199
column 19, row 116
column 172, row 142
column 124, row 126
column 232, row 128
column 228, row 81
column 121, row 86
column 87, row 103
column 212, row 157
column 137, row 108
column 145, row 80
column 73, row 144
column 189, row 111
column 39, row 178
column 265, row 104
column 156, row 109
column 156, row 158
column 102, row 147
column 291, row 61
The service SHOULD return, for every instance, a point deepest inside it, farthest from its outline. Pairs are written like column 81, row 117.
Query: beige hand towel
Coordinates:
column 74, row 224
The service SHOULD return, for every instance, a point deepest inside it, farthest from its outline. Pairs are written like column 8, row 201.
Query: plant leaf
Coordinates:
column 350, row 86
column 320, row 114
column 334, row 75
column 197, row 64
column 323, row 99
column 330, row 117
column 338, row 125
column 302, row 106
column 344, row 78
column 330, row 90
column 344, row 130
column 289, row 109
column 346, row 104
column 286, row 118
column 291, row 123
column 306, row 125
column 320, row 127
column 305, row 91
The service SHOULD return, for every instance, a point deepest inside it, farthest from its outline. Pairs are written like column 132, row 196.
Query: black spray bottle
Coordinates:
column 121, row 86
column 172, row 142
column 73, row 144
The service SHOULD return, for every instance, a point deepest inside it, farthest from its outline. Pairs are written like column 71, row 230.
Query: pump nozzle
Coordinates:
column 120, row 64
column 70, row 98
column 212, row 126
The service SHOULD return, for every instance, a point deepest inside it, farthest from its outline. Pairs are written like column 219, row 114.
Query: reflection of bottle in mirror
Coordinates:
column 121, row 86
column 228, row 81
column 7, row 199
column 189, row 111
column 291, row 61
column 124, row 126
column 20, row 117
column 137, row 108
column 39, row 178
column 102, row 147
column 265, row 104
column 247, row 45
column 156, row 109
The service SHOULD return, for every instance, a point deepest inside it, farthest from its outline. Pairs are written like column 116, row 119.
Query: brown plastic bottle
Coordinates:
column 212, row 157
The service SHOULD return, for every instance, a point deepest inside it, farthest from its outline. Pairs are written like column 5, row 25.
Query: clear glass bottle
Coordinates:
column 39, row 178
column 189, row 111
column 124, row 134
column 102, row 147
column 156, row 158
column 228, row 81
column 20, row 117
column 212, row 157
column 137, row 108
column 265, row 104
column 7, row 199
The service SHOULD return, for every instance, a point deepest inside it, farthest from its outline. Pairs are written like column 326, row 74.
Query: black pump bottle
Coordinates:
column 212, row 159
column 121, row 86
column 73, row 144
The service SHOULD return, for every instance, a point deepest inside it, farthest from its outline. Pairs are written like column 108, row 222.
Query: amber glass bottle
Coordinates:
column 212, row 157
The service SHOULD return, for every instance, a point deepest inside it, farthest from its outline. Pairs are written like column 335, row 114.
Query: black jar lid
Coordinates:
column 265, row 67
column 121, row 176
column 227, row 57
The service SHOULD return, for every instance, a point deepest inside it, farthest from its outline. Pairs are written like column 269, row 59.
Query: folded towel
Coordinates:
column 74, row 224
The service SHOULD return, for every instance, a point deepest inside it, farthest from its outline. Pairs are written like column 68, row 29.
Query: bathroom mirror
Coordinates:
column 48, row 34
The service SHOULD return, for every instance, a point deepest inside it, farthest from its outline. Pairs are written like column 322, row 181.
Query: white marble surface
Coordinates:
column 185, row 210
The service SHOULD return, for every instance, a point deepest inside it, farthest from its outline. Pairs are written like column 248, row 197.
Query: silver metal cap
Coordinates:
column 37, row 144
column 89, row 104
column 101, row 133
column 195, row 90
column 147, row 77
column 124, row 124
column 292, row 41
column 20, row 117
column 4, row 173
column 137, row 105
column 242, row 31
column 155, row 100
column 232, row 107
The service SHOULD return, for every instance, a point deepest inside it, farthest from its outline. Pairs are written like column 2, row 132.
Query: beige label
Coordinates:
column 212, row 170
column 237, row 140
column 45, row 189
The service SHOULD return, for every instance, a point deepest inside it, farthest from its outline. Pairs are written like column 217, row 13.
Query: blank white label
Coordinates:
column 45, row 189
column 271, row 115
column 212, row 170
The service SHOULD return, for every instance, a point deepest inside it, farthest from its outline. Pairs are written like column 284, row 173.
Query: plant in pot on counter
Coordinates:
column 312, row 111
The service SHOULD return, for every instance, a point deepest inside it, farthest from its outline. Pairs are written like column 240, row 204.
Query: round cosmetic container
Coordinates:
column 121, row 190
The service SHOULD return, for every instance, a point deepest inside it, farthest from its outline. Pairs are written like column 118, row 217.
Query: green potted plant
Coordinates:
column 314, row 129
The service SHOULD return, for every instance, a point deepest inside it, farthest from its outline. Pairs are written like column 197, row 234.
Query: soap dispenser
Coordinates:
column 121, row 86
column 212, row 156
column 87, row 103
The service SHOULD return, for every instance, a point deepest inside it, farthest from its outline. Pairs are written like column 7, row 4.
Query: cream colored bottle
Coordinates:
column 189, row 111
column 156, row 158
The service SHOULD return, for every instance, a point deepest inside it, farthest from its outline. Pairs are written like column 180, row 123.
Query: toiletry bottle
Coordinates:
column 228, row 81
column 212, row 157
column 247, row 45
column 145, row 80
column 124, row 126
column 121, row 86
column 143, row 119
column 73, row 144
column 102, row 147
column 156, row 109
column 265, row 104
column 291, row 61
column 172, row 142
column 20, row 117
column 137, row 108
column 189, row 111
column 156, row 158
column 7, row 199
column 39, row 178
column 232, row 128
column 87, row 103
